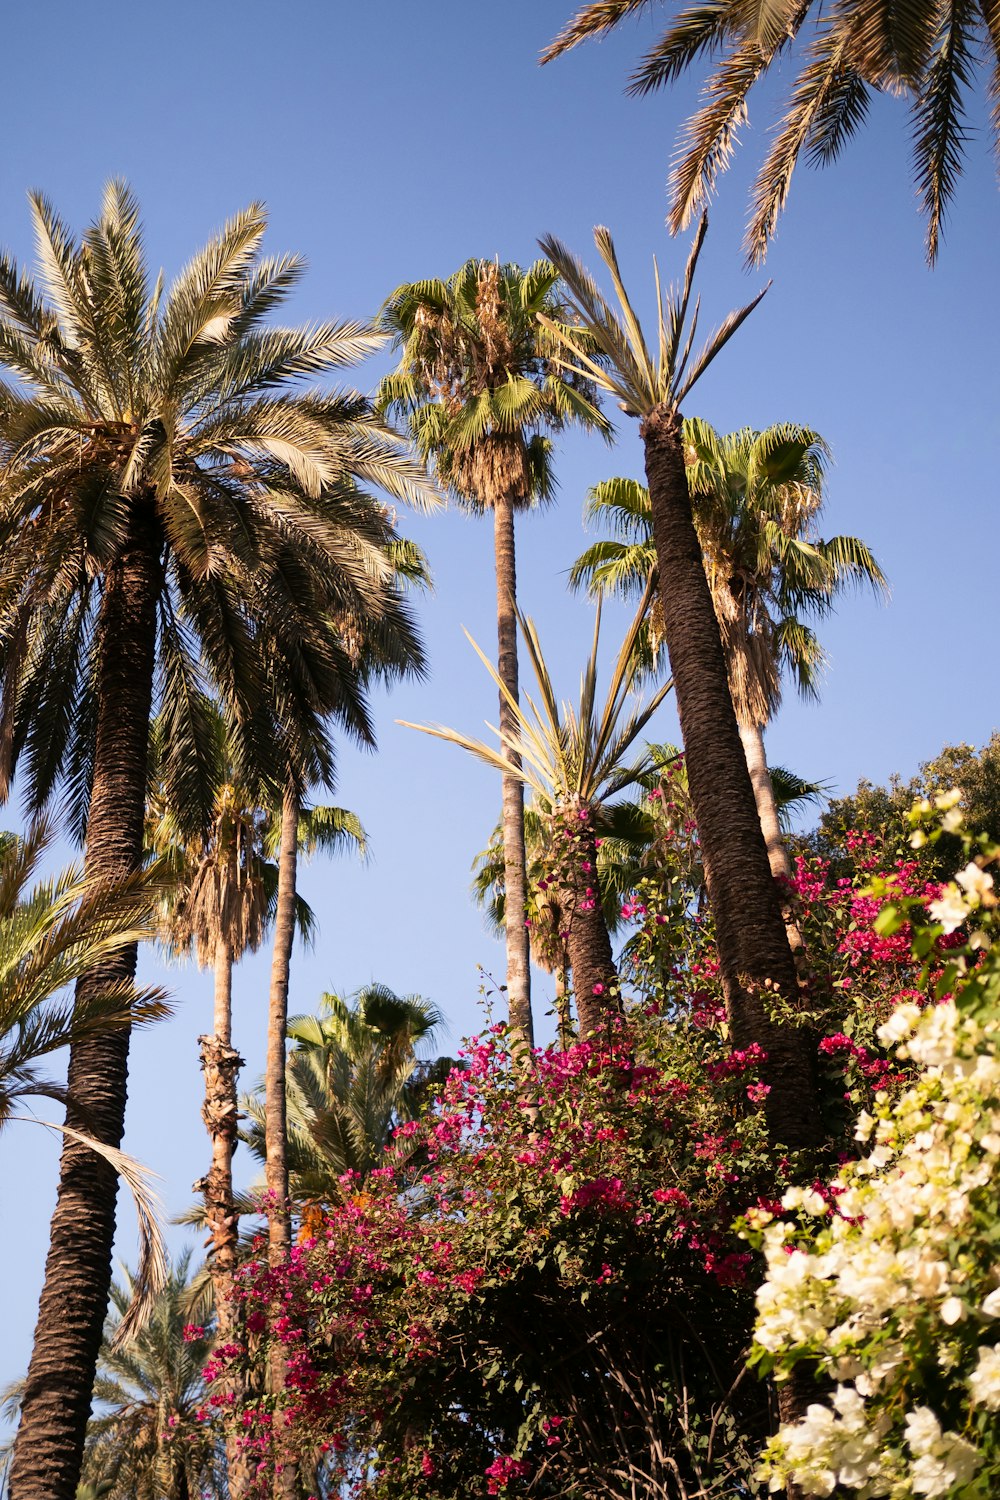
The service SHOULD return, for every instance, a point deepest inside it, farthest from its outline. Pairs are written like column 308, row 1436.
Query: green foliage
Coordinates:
column 51, row 933
column 351, row 1077
column 183, row 412
column 571, row 755
column 147, row 1439
column 476, row 382
column 608, row 345
column 879, row 812
column 755, row 499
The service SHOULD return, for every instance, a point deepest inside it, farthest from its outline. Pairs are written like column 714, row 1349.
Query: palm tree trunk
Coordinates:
column 512, row 821
column 752, row 737
column 564, row 1021
column 755, row 958
column 595, row 981
column 279, row 1228
column 48, row 1449
column 220, row 1112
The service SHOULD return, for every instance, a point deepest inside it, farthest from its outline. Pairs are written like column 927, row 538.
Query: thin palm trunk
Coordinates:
column 595, row 980
column 514, row 855
column 279, row 1231
column 220, row 1112
column 752, row 737
column 48, row 1450
column 564, row 1020
column 756, row 961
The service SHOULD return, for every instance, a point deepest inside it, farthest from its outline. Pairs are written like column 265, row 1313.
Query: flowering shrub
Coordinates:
column 561, row 1301
column 888, row 1285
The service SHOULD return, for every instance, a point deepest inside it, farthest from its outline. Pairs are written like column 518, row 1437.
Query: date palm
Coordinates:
column 574, row 761
column 482, row 398
column 756, row 498
column 351, row 1073
column 844, row 54
column 167, row 488
column 756, row 964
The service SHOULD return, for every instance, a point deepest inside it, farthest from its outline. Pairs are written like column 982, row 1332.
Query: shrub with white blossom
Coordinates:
column 887, row 1285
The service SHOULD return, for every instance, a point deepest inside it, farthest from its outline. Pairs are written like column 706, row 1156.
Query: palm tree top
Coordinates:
column 188, row 413
column 929, row 53
column 756, row 498
column 571, row 754
column 642, row 379
column 476, row 379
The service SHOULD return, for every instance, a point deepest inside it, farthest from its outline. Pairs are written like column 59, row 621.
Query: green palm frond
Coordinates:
column 755, row 500
column 843, row 54
column 348, row 1084
column 569, row 754
column 640, row 381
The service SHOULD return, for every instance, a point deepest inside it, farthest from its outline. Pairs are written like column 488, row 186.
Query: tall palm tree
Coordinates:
column 928, row 52
column 221, row 895
column 482, row 398
column 380, row 644
column 352, row 1077
column 756, row 963
column 574, row 761
column 166, row 489
column 756, row 498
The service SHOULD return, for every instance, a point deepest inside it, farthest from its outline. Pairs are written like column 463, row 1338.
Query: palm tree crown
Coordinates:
column 179, row 413
column 477, row 384
column 756, row 498
column 350, row 1080
column 928, row 52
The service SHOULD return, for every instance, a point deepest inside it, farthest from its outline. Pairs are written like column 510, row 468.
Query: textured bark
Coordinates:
column 512, row 821
column 48, row 1449
column 220, row 1112
column 756, row 962
column 752, row 737
column 590, row 953
column 279, row 1231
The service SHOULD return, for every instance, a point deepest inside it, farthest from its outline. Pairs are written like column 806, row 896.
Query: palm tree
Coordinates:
column 757, row 968
column 482, row 396
column 221, row 895
column 352, row 1076
column 51, row 933
column 756, row 498
column 574, row 762
column 167, row 488
column 146, row 1440
column 928, row 53
column 379, row 642
column 381, row 645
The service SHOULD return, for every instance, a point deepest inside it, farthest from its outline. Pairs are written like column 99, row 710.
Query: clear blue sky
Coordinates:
column 391, row 142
